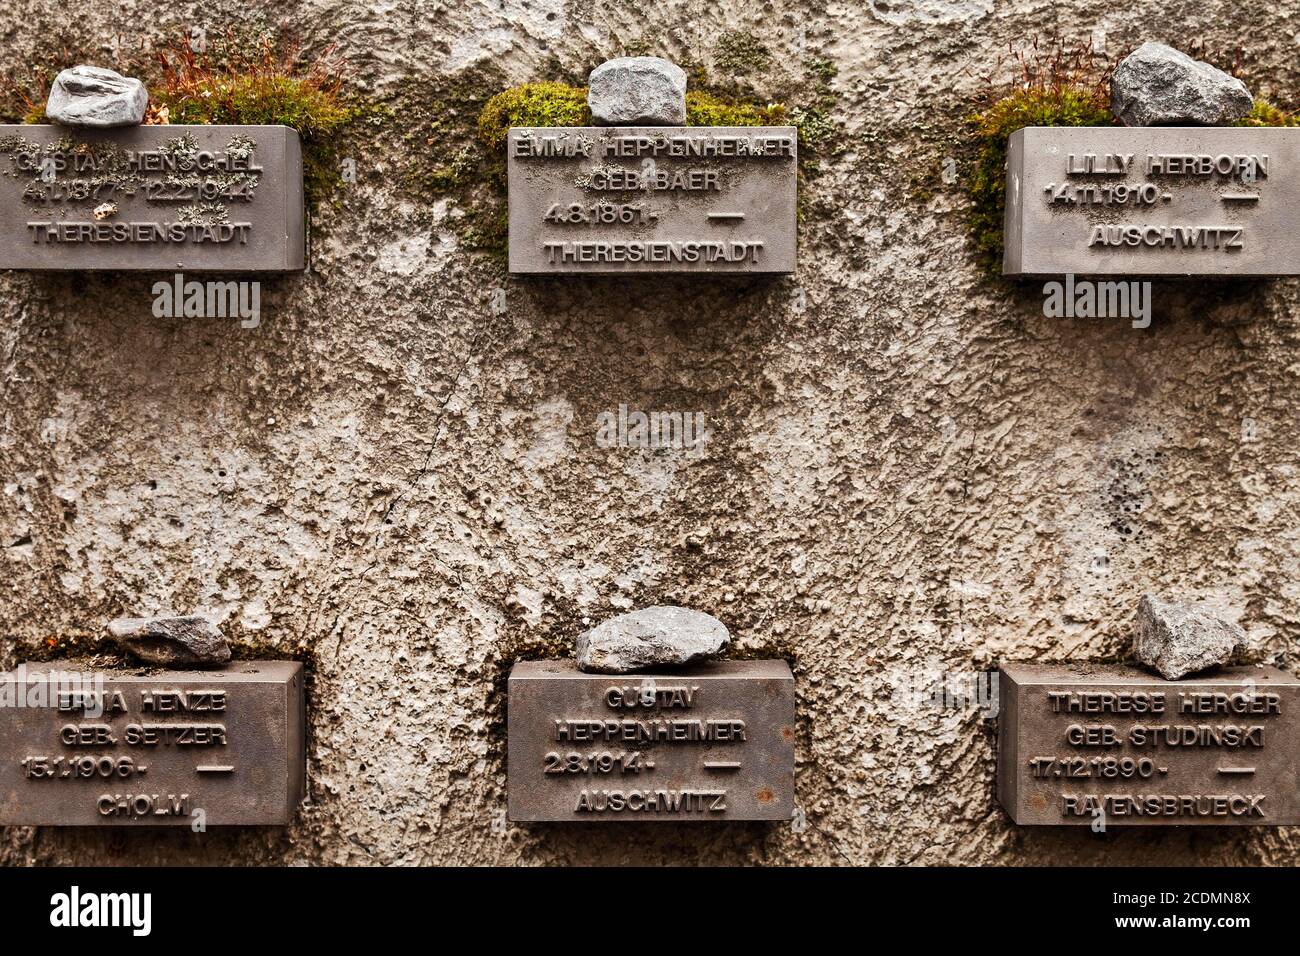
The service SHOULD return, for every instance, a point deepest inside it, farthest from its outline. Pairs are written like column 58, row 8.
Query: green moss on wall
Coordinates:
column 1060, row 106
column 1264, row 113
column 532, row 104
column 739, row 53
column 705, row 109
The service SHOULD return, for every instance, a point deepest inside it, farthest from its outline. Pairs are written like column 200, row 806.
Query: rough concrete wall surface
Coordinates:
column 910, row 471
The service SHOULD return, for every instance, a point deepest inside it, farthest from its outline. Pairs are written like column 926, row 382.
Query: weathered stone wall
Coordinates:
column 910, row 469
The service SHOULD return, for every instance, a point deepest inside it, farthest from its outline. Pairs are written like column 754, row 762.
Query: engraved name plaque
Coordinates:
column 147, row 747
column 709, row 742
column 652, row 199
column 198, row 198
column 1115, row 744
column 1152, row 201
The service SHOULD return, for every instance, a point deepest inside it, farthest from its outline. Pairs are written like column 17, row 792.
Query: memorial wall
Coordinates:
column 593, row 434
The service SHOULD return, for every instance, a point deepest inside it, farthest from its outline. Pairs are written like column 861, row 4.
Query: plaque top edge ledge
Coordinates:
column 769, row 669
column 244, row 671
column 1149, row 131
column 163, row 127
column 1085, row 673
column 614, row 129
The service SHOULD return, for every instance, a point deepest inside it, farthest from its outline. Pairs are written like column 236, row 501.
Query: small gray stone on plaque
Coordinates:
column 148, row 747
column 707, row 742
column 164, row 198
column 1111, row 745
column 652, row 199
column 1152, row 201
column 94, row 97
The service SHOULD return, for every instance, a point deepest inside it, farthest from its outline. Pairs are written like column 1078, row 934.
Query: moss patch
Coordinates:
column 1264, row 113
column 1058, row 106
column 739, row 53
column 532, row 104
column 706, row 109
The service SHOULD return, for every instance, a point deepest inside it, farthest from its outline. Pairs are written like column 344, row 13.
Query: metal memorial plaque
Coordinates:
column 708, row 742
column 1115, row 745
column 150, row 747
column 1152, row 201
column 652, row 199
column 197, row 198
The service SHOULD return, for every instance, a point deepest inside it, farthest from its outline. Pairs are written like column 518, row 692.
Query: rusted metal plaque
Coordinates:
column 709, row 742
column 1154, row 201
column 151, row 747
column 198, row 198
column 1116, row 746
column 652, row 199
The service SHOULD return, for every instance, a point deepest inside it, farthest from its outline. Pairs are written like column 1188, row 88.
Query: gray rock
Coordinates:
column 1156, row 85
column 1181, row 639
column 652, row 637
column 171, row 641
column 637, row 91
column 90, row 96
